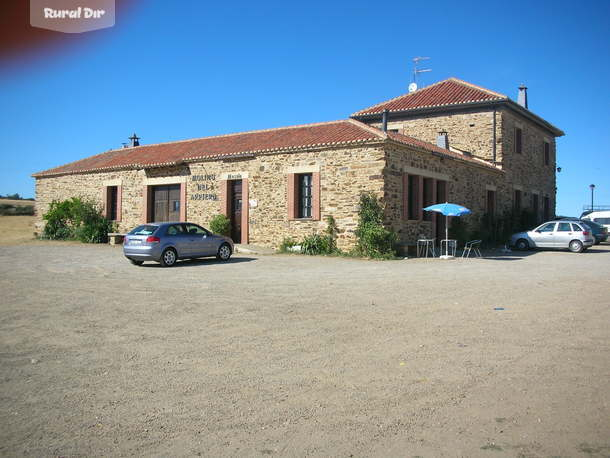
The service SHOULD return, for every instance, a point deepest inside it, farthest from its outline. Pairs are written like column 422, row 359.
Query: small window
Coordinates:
column 535, row 204
column 547, row 207
column 602, row 220
column 547, row 153
column 393, row 130
column 564, row 227
column 517, row 200
column 576, row 227
column 549, row 227
column 305, row 200
column 518, row 140
column 112, row 203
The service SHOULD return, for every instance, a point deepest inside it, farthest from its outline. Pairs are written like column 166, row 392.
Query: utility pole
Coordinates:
column 592, row 186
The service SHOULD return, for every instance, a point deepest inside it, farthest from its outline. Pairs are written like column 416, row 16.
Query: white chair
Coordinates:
column 472, row 246
column 425, row 247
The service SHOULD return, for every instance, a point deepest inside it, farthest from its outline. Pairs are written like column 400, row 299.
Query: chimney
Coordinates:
column 135, row 140
column 522, row 99
column 442, row 141
column 384, row 120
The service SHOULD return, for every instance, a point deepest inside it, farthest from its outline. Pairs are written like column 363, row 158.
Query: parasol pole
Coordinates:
column 447, row 235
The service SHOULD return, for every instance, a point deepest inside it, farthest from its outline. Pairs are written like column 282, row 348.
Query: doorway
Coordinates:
column 166, row 203
column 441, row 197
column 235, row 191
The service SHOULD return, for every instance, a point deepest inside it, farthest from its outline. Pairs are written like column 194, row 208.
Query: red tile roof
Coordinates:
column 452, row 91
column 294, row 138
column 283, row 138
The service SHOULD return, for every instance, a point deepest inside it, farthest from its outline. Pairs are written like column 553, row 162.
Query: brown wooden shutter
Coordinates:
column 245, row 209
column 119, row 203
column 291, row 195
column 182, row 201
column 105, row 206
column 315, row 204
column 420, row 197
column 405, row 195
column 225, row 201
column 147, row 203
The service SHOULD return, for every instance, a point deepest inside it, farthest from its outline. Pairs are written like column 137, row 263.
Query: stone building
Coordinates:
column 451, row 141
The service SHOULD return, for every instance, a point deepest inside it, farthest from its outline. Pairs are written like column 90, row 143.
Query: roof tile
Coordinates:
column 452, row 91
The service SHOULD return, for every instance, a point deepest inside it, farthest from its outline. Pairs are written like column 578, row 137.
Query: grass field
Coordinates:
column 17, row 203
column 16, row 229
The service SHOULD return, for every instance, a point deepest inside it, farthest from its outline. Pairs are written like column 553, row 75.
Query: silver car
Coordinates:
column 576, row 236
column 167, row 242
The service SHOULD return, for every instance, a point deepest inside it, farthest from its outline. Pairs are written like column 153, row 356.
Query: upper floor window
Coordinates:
column 518, row 140
column 547, row 153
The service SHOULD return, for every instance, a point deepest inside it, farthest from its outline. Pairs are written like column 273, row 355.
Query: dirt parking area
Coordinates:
column 303, row 356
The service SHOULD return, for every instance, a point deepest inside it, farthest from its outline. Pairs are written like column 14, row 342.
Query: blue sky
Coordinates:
column 175, row 70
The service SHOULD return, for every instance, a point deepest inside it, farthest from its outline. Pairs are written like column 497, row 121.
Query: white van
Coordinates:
column 599, row 217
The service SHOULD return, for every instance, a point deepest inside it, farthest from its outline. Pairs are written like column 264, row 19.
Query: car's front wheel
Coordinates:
column 168, row 257
column 522, row 245
column 224, row 252
column 576, row 246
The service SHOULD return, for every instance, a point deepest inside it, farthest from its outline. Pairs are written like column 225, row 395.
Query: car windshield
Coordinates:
column 145, row 229
column 602, row 220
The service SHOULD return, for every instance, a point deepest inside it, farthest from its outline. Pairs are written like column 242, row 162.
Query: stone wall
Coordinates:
column 526, row 171
column 468, row 131
column 465, row 184
column 344, row 174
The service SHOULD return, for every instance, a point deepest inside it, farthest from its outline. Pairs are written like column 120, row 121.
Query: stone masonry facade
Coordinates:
column 405, row 168
column 344, row 174
column 473, row 132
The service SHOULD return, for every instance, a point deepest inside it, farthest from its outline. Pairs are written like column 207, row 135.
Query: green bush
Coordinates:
column 286, row 244
column 373, row 239
column 315, row 244
column 220, row 224
column 76, row 219
column 331, row 234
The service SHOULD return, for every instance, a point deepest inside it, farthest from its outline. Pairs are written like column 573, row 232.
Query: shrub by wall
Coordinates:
column 220, row 224
column 373, row 239
column 76, row 219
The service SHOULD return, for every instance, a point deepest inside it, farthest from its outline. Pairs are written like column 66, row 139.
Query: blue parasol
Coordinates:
column 448, row 209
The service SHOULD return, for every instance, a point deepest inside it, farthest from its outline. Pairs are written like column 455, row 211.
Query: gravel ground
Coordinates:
column 303, row 356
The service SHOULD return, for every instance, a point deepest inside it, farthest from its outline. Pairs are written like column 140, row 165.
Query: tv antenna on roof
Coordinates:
column 417, row 71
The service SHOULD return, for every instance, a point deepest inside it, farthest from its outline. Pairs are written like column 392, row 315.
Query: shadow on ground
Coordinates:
column 200, row 262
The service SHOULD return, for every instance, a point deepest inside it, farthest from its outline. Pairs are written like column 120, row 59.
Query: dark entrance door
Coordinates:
column 166, row 203
column 441, row 198
column 236, row 203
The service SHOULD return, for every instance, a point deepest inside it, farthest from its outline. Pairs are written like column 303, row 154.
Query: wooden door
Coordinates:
column 236, row 207
column 160, row 203
column 174, row 203
column 166, row 203
column 441, row 198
